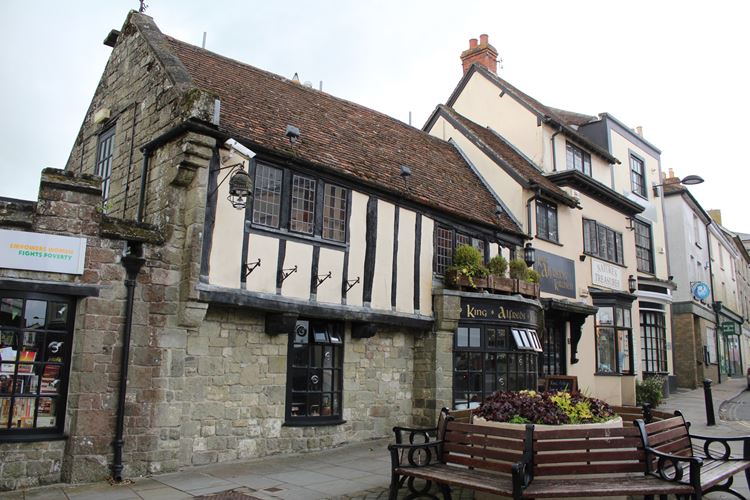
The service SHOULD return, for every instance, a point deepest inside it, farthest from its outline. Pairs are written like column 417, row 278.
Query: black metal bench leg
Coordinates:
column 446, row 491
column 395, row 485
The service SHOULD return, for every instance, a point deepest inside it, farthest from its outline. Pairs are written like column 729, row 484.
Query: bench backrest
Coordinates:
column 632, row 413
column 559, row 452
column 483, row 447
column 668, row 436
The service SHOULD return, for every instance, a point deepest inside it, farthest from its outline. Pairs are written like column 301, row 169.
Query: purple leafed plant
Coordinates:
column 551, row 408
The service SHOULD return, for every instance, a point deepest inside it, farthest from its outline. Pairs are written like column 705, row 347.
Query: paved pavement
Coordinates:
column 354, row 472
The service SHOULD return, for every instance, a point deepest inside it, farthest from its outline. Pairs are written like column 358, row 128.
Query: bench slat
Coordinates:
column 587, row 469
column 662, row 425
column 591, row 456
column 561, row 444
column 599, row 487
column 585, row 433
column 479, row 439
column 480, row 452
column 479, row 464
column 486, row 429
column 472, row 479
column 669, row 435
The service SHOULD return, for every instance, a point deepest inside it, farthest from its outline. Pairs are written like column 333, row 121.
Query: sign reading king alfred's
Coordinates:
column 606, row 275
column 42, row 252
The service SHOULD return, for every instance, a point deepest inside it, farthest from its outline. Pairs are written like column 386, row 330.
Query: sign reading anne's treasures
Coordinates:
column 606, row 275
column 42, row 252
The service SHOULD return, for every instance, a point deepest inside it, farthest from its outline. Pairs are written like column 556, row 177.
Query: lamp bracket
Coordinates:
column 350, row 284
column 249, row 268
column 231, row 168
column 285, row 273
column 321, row 280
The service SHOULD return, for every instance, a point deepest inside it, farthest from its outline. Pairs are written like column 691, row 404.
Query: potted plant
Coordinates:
column 545, row 408
column 467, row 269
column 526, row 280
column 497, row 280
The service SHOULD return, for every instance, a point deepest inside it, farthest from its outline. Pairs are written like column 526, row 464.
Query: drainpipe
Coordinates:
column 554, row 154
column 715, row 305
column 132, row 261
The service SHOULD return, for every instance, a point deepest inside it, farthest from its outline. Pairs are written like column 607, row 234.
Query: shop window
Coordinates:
column 653, row 339
column 104, row 156
column 315, row 373
column 614, row 339
column 492, row 358
column 35, row 343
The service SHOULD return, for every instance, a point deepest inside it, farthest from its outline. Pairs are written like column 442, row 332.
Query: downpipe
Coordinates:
column 132, row 261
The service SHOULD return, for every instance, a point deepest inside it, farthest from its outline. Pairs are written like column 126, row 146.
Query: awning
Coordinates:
column 573, row 312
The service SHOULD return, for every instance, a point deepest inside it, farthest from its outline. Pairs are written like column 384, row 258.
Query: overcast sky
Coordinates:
column 678, row 69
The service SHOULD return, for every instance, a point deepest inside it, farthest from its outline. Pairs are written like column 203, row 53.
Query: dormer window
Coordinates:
column 578, row 159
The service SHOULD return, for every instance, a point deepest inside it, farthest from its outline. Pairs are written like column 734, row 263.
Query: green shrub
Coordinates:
column 498, row 265
column 650, row 391
column 518, row 269
column 467, row 261
column 532, row 276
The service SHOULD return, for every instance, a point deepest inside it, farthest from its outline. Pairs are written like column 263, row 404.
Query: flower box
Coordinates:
column 614, row 423
column 527, row 289
column 460, row 281
column 501, row 284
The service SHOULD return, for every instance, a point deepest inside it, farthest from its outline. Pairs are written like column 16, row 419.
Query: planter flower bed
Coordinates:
column 550, row 408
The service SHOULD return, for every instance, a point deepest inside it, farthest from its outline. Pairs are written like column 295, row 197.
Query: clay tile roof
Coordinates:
column 512, row 157
column 573, row 118
column 342, row 137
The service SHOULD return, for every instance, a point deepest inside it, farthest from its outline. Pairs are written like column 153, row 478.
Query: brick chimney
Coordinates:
column 482, row 53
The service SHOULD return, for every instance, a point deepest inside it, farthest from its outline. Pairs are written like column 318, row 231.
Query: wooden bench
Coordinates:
column 595, row 462
column 706, row 463
column 630, row 414
column 477, row 457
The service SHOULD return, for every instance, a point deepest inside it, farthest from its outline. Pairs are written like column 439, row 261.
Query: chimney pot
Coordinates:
column 484, row 55
column 639, row 130
column 472, row 43
column 483, row 39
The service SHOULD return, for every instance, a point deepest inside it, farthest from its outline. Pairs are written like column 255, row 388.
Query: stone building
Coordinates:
column 269, row 256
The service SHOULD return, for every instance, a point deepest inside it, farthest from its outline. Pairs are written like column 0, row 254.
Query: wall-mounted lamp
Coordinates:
column 240, row 184
column 292, row 133
column 632, row 284
column 688, row 180
column 405, row 174
column 498, row 210
column 529, row 254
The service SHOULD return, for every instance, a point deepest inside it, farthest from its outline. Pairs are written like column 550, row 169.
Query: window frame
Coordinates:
column 653, row 325
column 625, row 329
column 546, row 211
column 483, row 352
column 105, row 145
column 314, row 328
column 640, row 250
column 571, row 150
column 617, row 242
column 638, row 178
column 39, row 367
column 456, row 239
column 321, row 216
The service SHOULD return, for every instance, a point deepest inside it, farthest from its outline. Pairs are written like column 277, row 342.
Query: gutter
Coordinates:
column 554, row 153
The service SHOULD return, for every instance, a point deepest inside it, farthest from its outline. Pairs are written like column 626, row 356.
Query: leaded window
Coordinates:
column 267, row 196
column 443, row 249
column 637, row 176
column 546, row 221
column 36, row 333
column 578, row 159
column 492, row 358
column 334, row 213
column 653, row 339
column 315, row 379
column 614, row 334
column 644, row 247
column 104, row 156
column 302, row 217
column 603, row 242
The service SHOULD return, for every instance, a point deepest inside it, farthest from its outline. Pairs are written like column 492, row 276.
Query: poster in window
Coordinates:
column 27, row 356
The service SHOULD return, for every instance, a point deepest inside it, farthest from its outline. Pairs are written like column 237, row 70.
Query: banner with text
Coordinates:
column 42, row 252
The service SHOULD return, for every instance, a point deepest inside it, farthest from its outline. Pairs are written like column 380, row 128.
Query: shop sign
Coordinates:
column 700, row 290
column 42, row 252
column 497, row 310
column 606, row 275
column 557, row 274
column 728, row 328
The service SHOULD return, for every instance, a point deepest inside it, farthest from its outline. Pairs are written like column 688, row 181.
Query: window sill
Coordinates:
column 639, row 195
column 542, row 238
column 31, row 438
column 254, row 228
column 608, row 374
column 313, row 423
